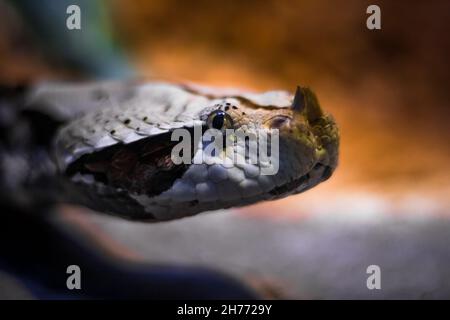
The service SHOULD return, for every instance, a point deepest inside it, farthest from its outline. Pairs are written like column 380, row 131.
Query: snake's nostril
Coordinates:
column 327, row 170
column 318, row 165
column 326, row 173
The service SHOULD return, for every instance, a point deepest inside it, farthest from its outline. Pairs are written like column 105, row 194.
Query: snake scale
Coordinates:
column 107, row 145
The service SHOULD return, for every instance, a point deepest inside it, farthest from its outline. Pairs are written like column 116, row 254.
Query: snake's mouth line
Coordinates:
column 317, row 174
column 295, row 185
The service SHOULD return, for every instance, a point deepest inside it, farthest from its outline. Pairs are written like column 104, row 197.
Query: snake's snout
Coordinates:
column 316, row 137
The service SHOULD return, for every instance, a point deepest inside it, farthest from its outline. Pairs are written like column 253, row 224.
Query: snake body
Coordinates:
column 112, row 149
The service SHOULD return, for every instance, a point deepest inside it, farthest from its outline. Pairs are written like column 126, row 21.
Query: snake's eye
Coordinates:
column 279, row 121
column 219, row 120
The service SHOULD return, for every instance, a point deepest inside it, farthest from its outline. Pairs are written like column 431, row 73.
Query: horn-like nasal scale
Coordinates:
column 299, row 100
column 313, row 109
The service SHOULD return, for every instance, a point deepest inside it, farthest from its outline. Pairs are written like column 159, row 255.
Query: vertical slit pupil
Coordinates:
column 218, row 120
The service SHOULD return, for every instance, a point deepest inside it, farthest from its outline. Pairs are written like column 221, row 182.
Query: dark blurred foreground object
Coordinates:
column 37, row 250
column 91, row 51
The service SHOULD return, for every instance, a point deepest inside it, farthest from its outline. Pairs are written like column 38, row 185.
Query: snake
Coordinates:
column 108, row 145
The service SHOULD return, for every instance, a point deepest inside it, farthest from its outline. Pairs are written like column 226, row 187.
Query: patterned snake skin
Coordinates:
column 112, row 151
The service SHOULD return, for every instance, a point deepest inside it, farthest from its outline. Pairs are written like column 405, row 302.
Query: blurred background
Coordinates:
column 387, row 203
